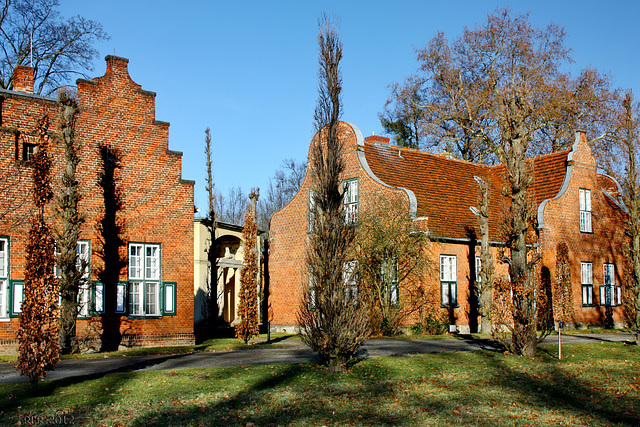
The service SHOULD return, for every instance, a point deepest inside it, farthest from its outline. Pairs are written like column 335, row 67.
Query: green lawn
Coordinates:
column 594, row 385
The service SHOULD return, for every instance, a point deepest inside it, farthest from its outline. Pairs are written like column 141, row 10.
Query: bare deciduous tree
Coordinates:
column 282, row 187
column 230, row 208
column 331, row 317
column 211, row 308
column 393, row 262
column 71, row 272
column 624, row 146
column 484, row 283
column 492, row 94
column 33, row 33
column 450, row 102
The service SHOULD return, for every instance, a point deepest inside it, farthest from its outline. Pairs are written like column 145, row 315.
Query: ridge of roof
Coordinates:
column 442, row 156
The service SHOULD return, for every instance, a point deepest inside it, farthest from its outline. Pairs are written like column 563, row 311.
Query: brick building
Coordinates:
column 138, row 235
column 574, row 204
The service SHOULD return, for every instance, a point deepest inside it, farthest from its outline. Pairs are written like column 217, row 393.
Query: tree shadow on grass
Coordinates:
column 292, row 394
column 566, row 393
column 16, row 397
column 20, row 406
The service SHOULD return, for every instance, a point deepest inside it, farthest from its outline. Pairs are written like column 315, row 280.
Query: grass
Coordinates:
column 594, row 385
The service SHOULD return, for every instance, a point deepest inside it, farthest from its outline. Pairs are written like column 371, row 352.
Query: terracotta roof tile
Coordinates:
column 445, row 188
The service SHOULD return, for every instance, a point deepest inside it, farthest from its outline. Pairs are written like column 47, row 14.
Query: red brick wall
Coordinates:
column 157, row 203
column 289, row 228
column 604, row 245
column 288, row 235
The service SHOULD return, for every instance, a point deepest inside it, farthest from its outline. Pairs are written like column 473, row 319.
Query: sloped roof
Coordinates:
column 445, row 188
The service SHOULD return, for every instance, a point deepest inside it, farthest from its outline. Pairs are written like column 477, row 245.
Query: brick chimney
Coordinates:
column 23, row 79
column 375, row 138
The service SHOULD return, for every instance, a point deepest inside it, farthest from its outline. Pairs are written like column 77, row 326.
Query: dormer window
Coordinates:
column 585, row 210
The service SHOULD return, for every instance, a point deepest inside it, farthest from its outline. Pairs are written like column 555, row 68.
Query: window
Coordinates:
column 312, row 291
column 477, row 288
column 448, row 280
column 98, row 298
column 83, row 263
column 350, row 200
column 144, row 279
column 586, row 274
column 610, row 294
column 389, row 280
column 585, row 210
column 121, row 297
column 350, row 280
column 312, row 211
column 28, row 150
column 4, row 278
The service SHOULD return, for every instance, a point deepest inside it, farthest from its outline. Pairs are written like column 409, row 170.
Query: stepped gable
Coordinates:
column 445, row 188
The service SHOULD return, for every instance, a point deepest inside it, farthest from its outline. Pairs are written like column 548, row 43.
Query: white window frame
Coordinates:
column 312, row 291
column 389, row 279
column 144, row 279
column 98, row 289
column 312, row 211
column 586, row 279
column 585, row 210
column 83, row 253
column 610, row 294
column 350, row 280
column 4, row 279
column 350, row 190
column 448, row 281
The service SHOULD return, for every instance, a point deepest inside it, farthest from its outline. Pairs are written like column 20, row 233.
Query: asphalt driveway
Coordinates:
column 294, row 352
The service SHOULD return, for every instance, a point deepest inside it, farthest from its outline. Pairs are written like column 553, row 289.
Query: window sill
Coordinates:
column 449, row 306
column 141, row 316
column 94, row 315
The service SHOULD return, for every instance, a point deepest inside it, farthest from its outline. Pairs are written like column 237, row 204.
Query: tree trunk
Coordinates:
column 70, row 277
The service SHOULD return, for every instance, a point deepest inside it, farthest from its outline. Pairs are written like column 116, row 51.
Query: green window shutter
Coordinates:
column 168, row 300
column 15, row 297
column 121, row 297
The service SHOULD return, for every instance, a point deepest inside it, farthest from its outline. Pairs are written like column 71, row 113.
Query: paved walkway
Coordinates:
column 292, row 351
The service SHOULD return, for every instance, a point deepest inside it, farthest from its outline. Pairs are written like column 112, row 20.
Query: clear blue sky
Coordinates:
column 247, row 69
